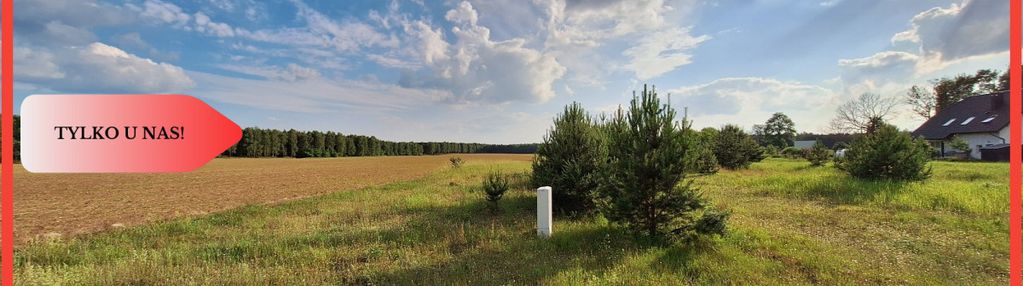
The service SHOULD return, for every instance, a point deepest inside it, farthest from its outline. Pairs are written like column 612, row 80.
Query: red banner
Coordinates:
column 121, row 133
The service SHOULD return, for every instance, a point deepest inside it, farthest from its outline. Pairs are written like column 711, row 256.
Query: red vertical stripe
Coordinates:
column 1016, row 110
column 7, row 174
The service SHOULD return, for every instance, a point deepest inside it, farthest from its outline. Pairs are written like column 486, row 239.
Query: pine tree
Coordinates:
column 568, row 160
column 818, row 154
column 888, row 154
column 647, row 155
column 735, row 149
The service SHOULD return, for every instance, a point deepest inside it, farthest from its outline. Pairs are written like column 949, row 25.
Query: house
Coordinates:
column 982, row 121
column 804, row 144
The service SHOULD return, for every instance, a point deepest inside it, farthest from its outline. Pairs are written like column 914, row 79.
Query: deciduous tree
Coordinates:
column 856, row 115
column 779, row 131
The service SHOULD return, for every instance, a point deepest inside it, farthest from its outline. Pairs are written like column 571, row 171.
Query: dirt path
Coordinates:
column 71, row 204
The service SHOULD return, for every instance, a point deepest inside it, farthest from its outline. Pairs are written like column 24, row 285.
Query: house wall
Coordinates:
column 978, row 140
column 1004, row 133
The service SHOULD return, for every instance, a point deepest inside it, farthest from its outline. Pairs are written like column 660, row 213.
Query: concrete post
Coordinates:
column 544, row 218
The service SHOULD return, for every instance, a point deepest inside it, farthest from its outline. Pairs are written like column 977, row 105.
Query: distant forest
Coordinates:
column 257, row 142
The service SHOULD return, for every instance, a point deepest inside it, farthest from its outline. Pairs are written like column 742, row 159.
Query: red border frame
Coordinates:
column 7, row 154
column 7, row 174
column 1015, row 128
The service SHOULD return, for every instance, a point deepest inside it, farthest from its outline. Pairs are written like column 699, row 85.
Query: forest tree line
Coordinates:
column 258, row 142
column 17, row 138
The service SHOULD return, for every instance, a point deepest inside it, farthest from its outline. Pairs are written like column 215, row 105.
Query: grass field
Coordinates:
column 792, row 224
column 50, row 205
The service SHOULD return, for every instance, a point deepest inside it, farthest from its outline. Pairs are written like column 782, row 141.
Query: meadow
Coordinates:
column 792, row 224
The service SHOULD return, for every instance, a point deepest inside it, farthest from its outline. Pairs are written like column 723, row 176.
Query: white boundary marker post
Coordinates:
column 543, row 212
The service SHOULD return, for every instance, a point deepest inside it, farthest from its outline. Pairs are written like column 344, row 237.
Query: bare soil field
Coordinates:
column 65, row 205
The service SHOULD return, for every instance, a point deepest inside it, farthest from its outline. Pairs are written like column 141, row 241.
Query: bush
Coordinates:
column 839, row 162
column 456, row 162
column 494, row 187
column 712, row 222
column 735, row 149
column 704, row 162
column 568, row 159
column 888, row 154
column 647, row 160
column 791, row 152
column 818, row 154
column 757, row 154
column 958, row 143
column 840, row 146
column 771, row 151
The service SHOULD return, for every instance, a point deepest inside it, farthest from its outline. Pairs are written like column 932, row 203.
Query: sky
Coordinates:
column 498, row 71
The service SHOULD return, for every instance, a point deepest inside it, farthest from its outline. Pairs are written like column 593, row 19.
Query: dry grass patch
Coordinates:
column 65, row 205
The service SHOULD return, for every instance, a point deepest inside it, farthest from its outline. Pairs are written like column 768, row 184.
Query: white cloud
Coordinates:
column 431, row 46
column 347, row 36
column 880, row 60
column 829, row 3
column 291, row 72
column 733, row 95
column 75, row 13
column 132, row 40
column 880, row 67
column 478, row 69
column 463, row 14
column 65, row 22
column 751, row 100
column 32, row 65
column 974, row 28
column 163, row 12
column 595, row 20
column 654, row 56
column 313, row 94
column 648, row 30
column 205, row 25
column 99, row 68
column 393, row 62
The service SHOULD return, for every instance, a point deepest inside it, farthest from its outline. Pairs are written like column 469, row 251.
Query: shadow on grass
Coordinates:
column 511, row 255
column 482, row 246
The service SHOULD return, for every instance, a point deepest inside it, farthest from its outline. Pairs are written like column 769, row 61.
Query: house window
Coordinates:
column 988, row 120
column 967, row 121
column 949, row 122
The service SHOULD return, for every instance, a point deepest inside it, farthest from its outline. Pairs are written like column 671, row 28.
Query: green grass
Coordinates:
column 792, row 224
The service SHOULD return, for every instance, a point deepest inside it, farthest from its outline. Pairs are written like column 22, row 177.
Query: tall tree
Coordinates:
column 856, row 115
column 923, row 101
column 759, row 135
column 951, row 90
column 779, row 131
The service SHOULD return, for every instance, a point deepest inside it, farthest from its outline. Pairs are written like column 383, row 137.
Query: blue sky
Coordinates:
column 497, row 71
